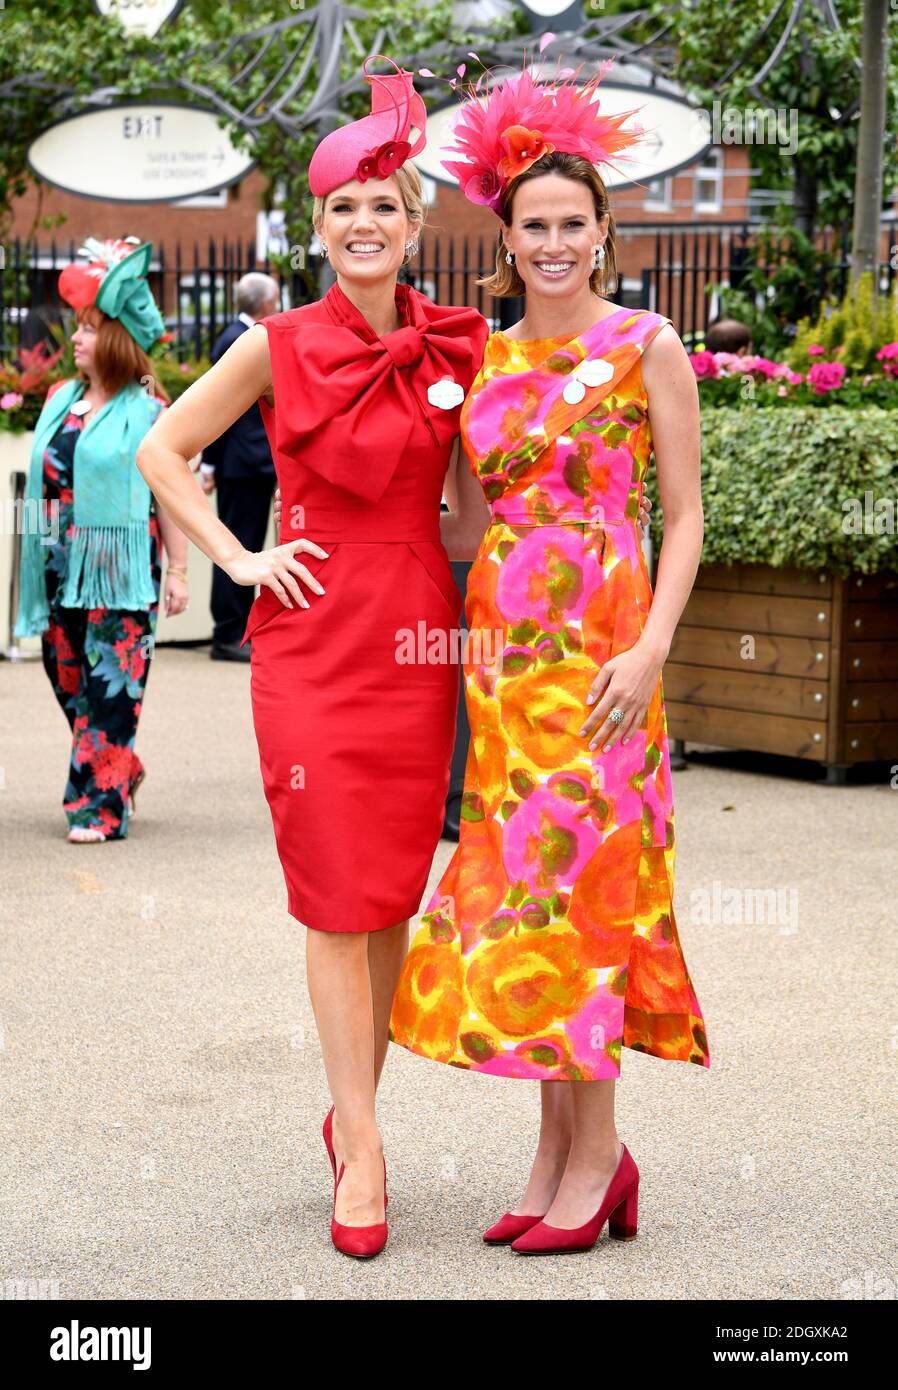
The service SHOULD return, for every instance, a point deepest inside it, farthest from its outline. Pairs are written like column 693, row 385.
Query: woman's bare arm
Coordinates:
column 672, row 393
column 462, row 527
column 174, row 542
column 205, row 411
column 628, row 680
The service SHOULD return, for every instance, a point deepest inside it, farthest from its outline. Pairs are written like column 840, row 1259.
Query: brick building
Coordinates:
column 714, row 189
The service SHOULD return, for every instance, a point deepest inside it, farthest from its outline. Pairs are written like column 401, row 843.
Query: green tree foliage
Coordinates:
column 855, row 328
column 56, row 55
column 817, row 77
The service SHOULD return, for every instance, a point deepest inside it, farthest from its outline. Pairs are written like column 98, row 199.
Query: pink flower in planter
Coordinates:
column 815, row 349
column 785, row 373
column 826, row 376
column 888, row 356
column 11, row 400
column 729, row 363
column 762, row 365
column 703, row 364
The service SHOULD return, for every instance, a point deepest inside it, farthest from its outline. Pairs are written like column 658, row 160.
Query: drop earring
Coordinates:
column 598, row 258
column 411, row 248
column 509, row 257
column 324, row 250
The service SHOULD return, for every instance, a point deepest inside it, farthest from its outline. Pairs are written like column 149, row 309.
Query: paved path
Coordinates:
column 161, row 1088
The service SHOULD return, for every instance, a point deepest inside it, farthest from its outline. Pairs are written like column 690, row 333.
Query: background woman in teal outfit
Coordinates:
column 90, row 571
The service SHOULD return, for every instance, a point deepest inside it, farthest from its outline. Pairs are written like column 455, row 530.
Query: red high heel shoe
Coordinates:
column 327, row 1130
column 619, row 1209
column 509, row 1227
column 361, row 1241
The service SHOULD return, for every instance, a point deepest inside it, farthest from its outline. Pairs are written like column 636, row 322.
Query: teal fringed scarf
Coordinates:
column 109, row 552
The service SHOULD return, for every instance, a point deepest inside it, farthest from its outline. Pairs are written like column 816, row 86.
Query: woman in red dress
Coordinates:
column 360, row 395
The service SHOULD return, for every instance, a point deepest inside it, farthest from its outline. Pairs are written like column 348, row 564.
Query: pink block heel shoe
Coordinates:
column 619, row 1208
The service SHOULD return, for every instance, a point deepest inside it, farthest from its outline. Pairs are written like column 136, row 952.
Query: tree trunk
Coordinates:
column 871, row 136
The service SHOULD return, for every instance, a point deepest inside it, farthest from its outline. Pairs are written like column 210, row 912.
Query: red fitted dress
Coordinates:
column 355, row 740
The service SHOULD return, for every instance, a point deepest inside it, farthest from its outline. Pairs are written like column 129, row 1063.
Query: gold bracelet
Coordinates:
column 179, row 571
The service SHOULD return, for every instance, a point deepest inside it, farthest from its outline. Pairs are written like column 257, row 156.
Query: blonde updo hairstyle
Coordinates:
column 409, row 181
column 506, row 282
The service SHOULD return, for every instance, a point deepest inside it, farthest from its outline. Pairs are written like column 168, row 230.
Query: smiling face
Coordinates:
column 365, row 227
column 554, row 233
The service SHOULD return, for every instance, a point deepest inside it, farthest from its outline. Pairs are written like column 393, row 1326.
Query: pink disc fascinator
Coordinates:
column 378, row 144
column 517, row 121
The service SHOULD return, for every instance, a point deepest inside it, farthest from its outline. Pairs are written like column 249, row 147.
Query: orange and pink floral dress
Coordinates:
column 550, row 941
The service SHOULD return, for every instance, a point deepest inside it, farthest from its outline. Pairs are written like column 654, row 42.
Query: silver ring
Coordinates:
column 616, row 716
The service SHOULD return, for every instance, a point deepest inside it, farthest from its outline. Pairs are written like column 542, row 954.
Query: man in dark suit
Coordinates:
column 239, row 466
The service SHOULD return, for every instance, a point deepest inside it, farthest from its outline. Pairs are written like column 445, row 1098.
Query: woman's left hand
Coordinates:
column 175, row 595
column 626, row 682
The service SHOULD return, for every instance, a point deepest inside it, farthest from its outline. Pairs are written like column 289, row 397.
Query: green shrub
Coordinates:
column 775, row 482
column 854, row 330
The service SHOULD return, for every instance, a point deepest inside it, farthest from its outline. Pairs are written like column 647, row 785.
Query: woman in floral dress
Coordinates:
column 90, row 582
column 550, row 942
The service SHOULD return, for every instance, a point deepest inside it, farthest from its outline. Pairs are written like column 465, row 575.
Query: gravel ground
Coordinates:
column 161, row 1086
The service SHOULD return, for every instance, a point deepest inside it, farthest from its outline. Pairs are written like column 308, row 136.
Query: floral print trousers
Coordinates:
column 98, row 661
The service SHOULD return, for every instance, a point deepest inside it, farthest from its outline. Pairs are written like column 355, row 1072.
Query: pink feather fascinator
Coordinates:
column 519, row 120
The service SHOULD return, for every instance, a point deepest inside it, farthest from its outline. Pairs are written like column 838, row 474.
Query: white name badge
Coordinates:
column 445, row 393
column 80, row 407
column 592, row 373
column 595, row 372
column 574, row 391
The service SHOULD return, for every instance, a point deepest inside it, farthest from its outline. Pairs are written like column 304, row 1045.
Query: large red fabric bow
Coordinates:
column 347, row 401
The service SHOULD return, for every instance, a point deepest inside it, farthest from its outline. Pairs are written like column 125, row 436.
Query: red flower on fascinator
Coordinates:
column 521, row 148
column 484, row 188
column 383, row 161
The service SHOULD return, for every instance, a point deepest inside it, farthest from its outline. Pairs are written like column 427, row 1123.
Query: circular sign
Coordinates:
column 140, row 16
column 550, row 9
column 676, row 134
column 138, row 152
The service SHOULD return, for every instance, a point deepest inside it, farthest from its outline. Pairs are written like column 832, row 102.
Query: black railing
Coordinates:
column 671, row 268
column 196, row 292
column 690, row 262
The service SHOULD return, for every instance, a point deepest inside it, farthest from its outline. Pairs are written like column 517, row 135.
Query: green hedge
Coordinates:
column 774, row 481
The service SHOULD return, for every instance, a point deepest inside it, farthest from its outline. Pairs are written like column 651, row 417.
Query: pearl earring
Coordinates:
column 509, row 257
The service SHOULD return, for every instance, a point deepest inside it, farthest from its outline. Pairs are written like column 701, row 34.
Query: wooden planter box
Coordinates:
column 799, row 663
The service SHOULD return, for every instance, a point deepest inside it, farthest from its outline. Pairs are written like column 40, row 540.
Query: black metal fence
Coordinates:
column 674, row 269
